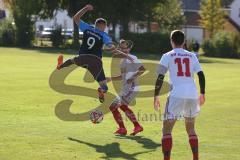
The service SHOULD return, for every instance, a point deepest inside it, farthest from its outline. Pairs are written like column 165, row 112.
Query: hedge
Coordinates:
column 154, row 43
column 223, row 44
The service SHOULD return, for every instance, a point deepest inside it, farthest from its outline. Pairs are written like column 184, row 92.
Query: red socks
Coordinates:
column 129, row 113
column 117, row 116
column 193, row 141
column 167, row 146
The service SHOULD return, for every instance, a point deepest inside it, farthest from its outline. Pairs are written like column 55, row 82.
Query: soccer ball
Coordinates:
column 96, row 116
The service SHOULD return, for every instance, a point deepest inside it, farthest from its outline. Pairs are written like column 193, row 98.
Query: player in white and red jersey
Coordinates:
column 183, row 100
column 129, row 73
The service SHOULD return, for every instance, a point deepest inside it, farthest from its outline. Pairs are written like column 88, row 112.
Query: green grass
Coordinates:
column 30, row 129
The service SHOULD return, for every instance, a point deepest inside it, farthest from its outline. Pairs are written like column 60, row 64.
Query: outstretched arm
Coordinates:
column 122, row 55
column 140, row 71
column 115, row 51
column 116, row 78
column 77, row 17
column 113, row 48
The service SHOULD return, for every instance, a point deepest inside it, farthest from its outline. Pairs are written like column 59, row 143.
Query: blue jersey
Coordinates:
column 93, row 40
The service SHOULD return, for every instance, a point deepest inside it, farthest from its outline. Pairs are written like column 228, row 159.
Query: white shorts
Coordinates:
column 178, row 108
column 126, row 98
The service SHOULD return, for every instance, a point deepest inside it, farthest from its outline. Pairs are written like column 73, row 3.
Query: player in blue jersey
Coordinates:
column 90, row 53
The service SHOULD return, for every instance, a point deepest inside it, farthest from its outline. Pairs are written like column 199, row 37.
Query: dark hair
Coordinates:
column 100, row 20
column 178, row 37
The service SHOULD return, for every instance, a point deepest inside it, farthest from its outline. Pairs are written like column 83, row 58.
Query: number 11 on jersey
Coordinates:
column 180, row 62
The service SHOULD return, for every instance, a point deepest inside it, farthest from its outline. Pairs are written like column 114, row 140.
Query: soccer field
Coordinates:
column 30, row 129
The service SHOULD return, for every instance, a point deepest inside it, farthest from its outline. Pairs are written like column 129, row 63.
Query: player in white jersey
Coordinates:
column 129, row 73
column 183, row 100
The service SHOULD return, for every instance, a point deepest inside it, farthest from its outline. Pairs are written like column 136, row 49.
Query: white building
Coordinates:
column 235, row 11
column 4, row 12
column 192, row 27
column 60, row 18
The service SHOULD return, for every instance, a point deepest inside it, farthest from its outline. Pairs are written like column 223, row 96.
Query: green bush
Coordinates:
column 236, row 41
column 56, row 37
column 156, row 43
column 208, row 48
column 223, row 44
column 7, row 33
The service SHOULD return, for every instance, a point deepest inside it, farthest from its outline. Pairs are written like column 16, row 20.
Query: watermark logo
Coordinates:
column 62, row 108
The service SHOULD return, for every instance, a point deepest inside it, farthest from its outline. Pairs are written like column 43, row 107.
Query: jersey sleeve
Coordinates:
column 83, row 26
column 197, row 67
column 107, row 40
column 163, row 65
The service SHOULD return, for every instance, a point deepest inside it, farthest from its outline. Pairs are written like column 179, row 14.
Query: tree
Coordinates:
column 169, row 15
column 145, row 11
column 130, row 10
column 73, row 6
column 24, row 11
column 212, row 16
column 114, row 11
column 122, row 11
column 106, row 10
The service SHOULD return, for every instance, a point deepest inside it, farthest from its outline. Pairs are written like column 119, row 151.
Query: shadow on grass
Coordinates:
column 111, row 150
column 146, row 142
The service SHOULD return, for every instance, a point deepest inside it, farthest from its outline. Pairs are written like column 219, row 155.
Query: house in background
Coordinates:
column 60, row 18
column 192, row 27
column 4, row 12
column 235, row 11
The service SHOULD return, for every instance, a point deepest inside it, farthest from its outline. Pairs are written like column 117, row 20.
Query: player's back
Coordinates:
column 182, row 65
column 93, row 40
